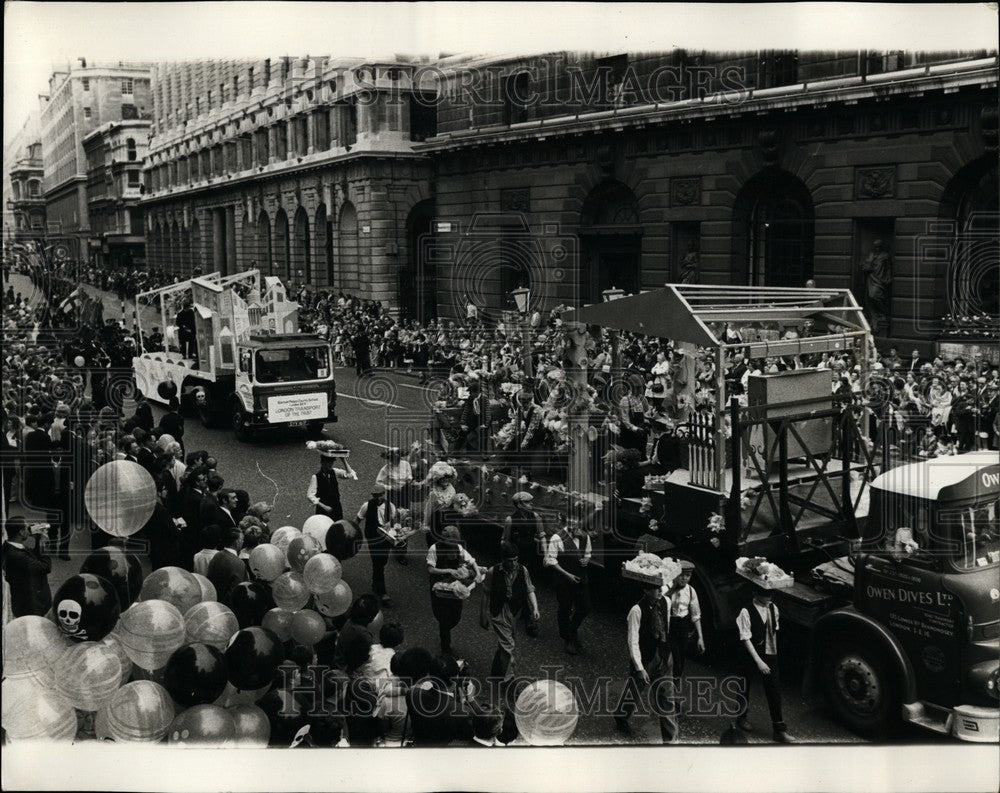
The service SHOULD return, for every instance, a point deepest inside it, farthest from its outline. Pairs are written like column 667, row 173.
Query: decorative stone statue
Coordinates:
column 877, row 268
column 691, row 266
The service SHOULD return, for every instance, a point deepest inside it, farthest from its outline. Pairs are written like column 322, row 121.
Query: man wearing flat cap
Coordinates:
column 685, row 617
column 523, row 527
column 507, row 592
column 376, row 515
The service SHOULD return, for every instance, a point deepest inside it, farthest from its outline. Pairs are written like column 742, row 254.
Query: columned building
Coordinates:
column 24, row 206
column 426, row 184
column 301, row 167
column 768, row 168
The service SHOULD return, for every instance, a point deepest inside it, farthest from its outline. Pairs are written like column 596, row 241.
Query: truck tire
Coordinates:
column 238, row 421
column 860, row 689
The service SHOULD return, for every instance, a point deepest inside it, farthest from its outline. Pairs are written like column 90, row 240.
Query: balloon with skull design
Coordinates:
column 86, row 607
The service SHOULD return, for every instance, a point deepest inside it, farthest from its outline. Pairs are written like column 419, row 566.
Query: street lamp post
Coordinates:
column 522, row 299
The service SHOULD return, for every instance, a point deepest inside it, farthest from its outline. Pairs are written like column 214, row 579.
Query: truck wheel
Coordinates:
column 860, row 689
column 315, row 429
column 241, row 428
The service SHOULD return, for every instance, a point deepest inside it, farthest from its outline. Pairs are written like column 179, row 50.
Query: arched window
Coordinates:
column 130, row 149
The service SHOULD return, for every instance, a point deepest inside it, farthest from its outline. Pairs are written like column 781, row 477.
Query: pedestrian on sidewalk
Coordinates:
column 568, row 555
column 758, row 625
column 507, row 592
column 376, row 515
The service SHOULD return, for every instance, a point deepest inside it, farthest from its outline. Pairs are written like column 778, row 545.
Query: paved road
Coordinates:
column 378, row 410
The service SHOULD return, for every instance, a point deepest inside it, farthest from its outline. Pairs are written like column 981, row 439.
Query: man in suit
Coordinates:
column 191, row 497
column 221, row 513
column 172, row 423
column 143, row 416
column 210, row 501
column 226, row 569
column 160, row 531
column 27, row 568
column 143, row 453
column 46, row 482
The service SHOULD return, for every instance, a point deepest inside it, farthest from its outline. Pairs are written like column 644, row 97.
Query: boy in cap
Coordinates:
column 507, row 592
column 523, row 527
column 375, row 515
column 685, row 617
column 758, row 625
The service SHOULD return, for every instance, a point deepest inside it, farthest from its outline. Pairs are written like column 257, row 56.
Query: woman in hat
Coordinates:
column 447, row 560
column 396, row 476
column 438, row 511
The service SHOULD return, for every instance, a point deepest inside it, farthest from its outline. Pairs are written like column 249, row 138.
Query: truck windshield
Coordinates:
column 297, row 363
column 974, row 531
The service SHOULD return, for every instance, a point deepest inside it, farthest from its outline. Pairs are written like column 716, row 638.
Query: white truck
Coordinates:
column 232, row 352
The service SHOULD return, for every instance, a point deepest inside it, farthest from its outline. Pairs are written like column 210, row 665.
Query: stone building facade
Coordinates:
column 82, row 98
column 115, row 154
column 303, row 168
column 572, row 173
column 24, row 204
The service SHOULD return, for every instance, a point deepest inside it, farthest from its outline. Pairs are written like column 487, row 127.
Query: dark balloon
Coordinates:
column 252, row 658
column 250, row 601
column 86, row 607
column 167, row 389
column 343, row 539
column 196, row 675
column 203, row 724
column 123, row 570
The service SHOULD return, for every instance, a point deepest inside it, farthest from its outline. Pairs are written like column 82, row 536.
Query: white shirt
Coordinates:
column 770, row 629
column 395, row 476
column 556, row 546
column 384, row 517
column 634, row 621
column 311, row 490
column 202, row 560
column 432, row 556
column 685, row 603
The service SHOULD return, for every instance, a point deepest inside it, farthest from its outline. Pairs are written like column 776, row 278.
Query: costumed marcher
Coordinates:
column 324, row 488
column 525, row 529
column 438, row 511
column 650, row 663
column 376, row 515
column 507, row 591
column 397, row 478
column 568, row 554
column 685, row 618
column 758, row 625
column 447, row 561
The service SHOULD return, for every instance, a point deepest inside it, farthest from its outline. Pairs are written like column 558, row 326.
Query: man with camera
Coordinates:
column 27, row 568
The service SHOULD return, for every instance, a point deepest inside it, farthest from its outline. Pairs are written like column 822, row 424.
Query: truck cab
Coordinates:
column 284, row 379
column 923, row 632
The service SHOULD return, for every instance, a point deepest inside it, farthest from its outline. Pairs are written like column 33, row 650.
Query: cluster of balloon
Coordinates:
column 31, row 647
column 546, row 713
column 86, row 607
column 322, row 573
column 290, row 591
column 88, row 675
column 30, row 712
column 123, row 570
column 196, row 675
column 150, row 631
column 268, row 561
column 316, row 526
column 211, row 623
column 250, row 601
column 140, row 711
column 206, row 725
column 335, row 602
column 173, row 585
column 301, row 550
column 343, row 539
column 119, row 497
column 283, row 536
column 253, row 658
